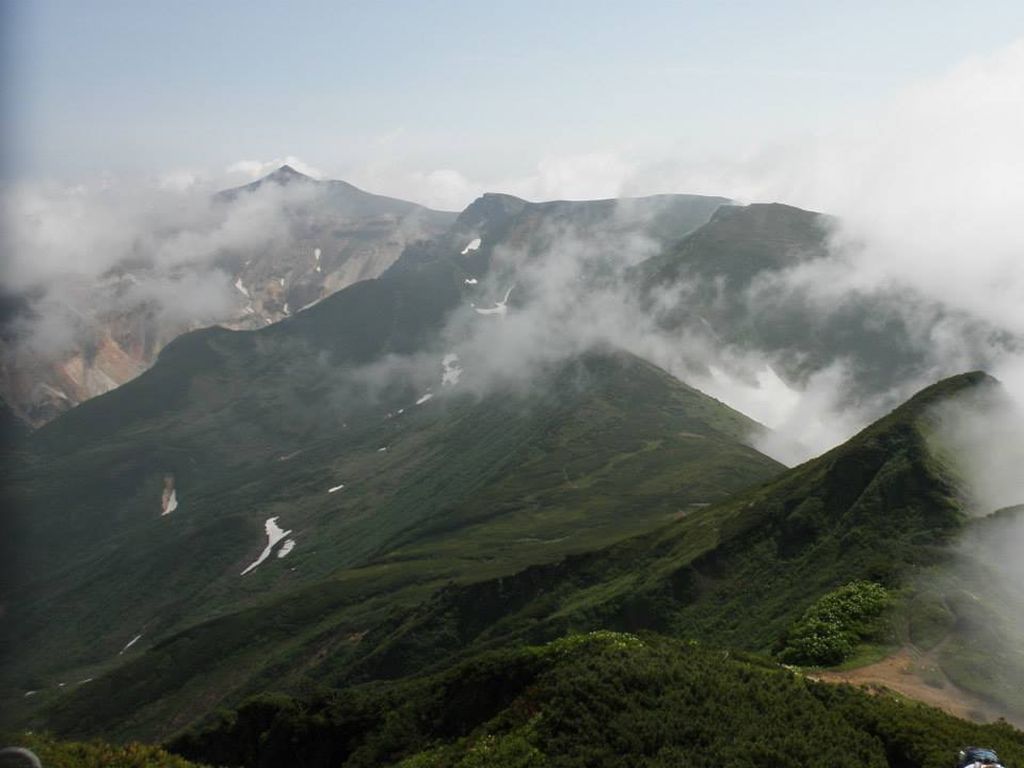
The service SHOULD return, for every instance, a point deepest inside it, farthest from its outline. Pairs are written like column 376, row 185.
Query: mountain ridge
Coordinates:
column 764, row 548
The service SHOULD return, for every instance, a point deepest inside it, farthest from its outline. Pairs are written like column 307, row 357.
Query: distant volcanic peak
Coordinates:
column 286, row 175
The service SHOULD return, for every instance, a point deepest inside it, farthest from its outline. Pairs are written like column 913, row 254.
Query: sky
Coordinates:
column 438, row 100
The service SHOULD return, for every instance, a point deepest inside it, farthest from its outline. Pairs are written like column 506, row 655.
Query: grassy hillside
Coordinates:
column 322, row 423
column 738, row 573
column 467, row 490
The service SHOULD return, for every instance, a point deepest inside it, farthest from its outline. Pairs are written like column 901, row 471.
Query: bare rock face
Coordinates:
column 327, row 235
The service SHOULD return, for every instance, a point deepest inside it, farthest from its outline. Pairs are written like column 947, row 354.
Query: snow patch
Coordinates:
column 172, row 503
column 274, row 535
column 52, row 391
column 30, row 693
column 424, row 398
column 382, row 450
column 87, row 680
column 501, row 308
column 451, row 370
column 169, row 498
column 471, row 246
column 281, row 282
column 336, row 488
column 471, row 281
column 241, row 287
column 267, row 320
column 316, row 255
column 286, row 308
column 287, row 547
column 131, row 642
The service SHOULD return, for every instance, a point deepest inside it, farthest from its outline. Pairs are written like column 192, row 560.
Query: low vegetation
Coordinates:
column 830, row 630
column 600, row 699
column 95, row 754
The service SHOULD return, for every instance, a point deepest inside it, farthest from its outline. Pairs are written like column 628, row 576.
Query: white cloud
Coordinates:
column 65, row 245
column 255, row 169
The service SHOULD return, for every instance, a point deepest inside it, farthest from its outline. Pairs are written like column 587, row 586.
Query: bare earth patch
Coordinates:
column 916, row 675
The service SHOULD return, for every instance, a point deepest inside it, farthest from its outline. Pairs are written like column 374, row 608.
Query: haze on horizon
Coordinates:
column 439, row 102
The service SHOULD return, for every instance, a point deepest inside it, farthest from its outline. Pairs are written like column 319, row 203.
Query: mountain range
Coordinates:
column 332, row 234
column 423, row 506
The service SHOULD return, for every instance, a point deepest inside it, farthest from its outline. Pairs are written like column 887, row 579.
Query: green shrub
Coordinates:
column 97, row 754
column 830, row 630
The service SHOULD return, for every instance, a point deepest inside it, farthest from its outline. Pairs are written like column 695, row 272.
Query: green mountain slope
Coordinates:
column 239, row 428
column 467, row 489
column 738, row 573
column 423, row 522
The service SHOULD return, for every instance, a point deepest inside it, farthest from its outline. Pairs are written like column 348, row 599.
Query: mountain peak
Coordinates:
column 948, row 389
column 285, row 175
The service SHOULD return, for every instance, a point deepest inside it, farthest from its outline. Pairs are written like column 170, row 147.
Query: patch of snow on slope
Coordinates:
column 472, row 246
column 382, row 450
column 501, row 308
column 52, row 391
column 281, row 282
column 172, row 503
column 336, row 488
column 286, row 308
column 316, row 255
column 471, row 281
column 169, row 498
column 451, row 370
column 287, row 547
column 241, row 287
column 30, row 693
column 424, row 398
column 131, row 642
column 274, row 535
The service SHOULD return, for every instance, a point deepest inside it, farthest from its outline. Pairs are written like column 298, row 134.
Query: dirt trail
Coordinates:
column 916, row 675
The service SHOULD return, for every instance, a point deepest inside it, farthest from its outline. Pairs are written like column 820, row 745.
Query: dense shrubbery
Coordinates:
column 96, row 754
column 830, row 630
column 601, row 699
